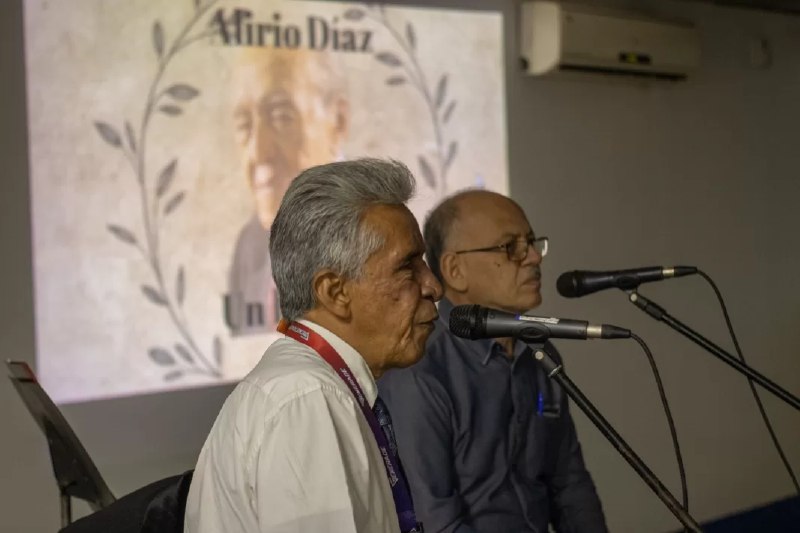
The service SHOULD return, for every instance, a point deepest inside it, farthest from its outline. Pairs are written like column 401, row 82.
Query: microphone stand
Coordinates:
column 556, row 373
column 658, row 312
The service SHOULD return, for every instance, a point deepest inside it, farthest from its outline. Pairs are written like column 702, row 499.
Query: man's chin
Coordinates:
column 527, row 302
column 411, row 359
column 266, row 209
column 266, row 218
column 533, row 304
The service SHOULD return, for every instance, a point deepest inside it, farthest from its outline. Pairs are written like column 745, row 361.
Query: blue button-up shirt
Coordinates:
column 487, row 441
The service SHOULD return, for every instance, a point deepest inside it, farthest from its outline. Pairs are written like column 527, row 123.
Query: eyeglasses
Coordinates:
column 517, row 249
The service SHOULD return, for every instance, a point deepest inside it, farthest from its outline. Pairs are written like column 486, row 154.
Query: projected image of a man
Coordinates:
column 290, row 112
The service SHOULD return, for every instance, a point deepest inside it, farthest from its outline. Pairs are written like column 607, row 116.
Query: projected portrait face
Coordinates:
column 290, row 113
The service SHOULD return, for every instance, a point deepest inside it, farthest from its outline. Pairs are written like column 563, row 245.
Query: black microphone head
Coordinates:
column 567, row 285
column 465, row 321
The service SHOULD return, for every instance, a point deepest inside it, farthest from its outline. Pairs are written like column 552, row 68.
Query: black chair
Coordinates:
column 155, row 508
column 75, row 472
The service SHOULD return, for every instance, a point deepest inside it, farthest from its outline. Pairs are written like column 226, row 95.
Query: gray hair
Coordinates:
column 436, row 230
column 319, row 224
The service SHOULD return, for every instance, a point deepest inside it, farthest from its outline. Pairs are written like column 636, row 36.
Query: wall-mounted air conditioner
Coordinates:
column 560, row 37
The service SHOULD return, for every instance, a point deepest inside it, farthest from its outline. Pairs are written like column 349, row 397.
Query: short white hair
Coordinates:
column 319, row 224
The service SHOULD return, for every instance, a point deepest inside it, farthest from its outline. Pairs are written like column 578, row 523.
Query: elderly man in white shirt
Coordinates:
column 304, row 444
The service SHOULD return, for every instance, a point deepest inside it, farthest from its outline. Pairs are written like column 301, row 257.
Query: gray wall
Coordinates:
column 702, row 173
column 618, row 175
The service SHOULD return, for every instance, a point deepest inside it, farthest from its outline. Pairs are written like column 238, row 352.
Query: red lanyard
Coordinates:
column 397, row 480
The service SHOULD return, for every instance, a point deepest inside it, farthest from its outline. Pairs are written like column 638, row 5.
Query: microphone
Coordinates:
column 582, row 282
column 476, row 322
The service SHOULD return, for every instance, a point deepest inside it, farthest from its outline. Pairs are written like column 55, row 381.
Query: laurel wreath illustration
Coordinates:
column 439, row 106
column 159, row 201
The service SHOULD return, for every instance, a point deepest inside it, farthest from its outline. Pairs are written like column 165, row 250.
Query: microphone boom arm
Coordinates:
column 660, row 314
column 556, row 373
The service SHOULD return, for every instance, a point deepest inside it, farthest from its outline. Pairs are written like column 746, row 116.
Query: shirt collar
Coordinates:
column 484, row 348
column 358, row 366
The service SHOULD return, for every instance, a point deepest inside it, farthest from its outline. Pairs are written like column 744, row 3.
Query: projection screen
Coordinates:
column 163, row 134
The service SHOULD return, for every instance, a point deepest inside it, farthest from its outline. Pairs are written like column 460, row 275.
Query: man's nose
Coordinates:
column 261, row 146
column 533, row 257
column 431, row 288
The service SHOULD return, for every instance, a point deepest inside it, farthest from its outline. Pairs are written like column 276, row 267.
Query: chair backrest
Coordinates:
column 75, row 472
column 166, row 510
column 155, row 508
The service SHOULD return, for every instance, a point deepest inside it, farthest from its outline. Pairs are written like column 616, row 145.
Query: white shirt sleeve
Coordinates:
column 318, row 469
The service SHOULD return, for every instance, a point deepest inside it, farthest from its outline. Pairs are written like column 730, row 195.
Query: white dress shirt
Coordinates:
column 291, row 451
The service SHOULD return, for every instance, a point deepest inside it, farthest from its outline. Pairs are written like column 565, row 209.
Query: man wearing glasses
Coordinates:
column 486, row 439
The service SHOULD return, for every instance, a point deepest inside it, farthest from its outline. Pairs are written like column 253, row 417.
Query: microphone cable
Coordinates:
column 750, row 382
column 670, row 421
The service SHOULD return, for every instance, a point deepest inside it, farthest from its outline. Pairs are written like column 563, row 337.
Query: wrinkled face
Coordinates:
column 392, row 303
column 284, row 122
column 493, row 280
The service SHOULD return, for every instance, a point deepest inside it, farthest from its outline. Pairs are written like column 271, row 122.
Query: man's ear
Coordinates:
column 453, row 271
column 331, row 293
